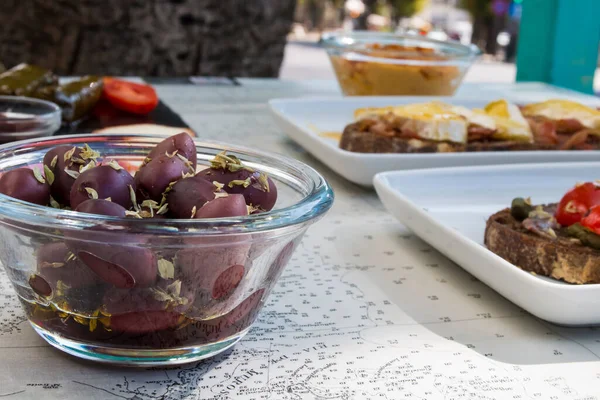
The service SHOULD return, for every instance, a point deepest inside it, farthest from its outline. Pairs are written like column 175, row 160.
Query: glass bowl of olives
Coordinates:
column 140, row 250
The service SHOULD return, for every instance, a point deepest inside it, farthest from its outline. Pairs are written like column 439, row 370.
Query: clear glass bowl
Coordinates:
column 26, row 118
column 214, row 275
column 382, row 64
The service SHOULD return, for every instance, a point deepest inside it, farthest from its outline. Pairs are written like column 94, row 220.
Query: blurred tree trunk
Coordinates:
column 492, row 33
column 313, row 14
column 341, row 10
column 482, row 30
column 361, row 22
column 481, row 14
column 147, row 37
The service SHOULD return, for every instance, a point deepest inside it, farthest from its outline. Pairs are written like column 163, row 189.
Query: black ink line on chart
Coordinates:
column 104, row 390
column 11, row 394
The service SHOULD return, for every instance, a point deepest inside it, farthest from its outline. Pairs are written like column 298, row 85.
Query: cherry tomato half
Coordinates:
column 576, row 203
column 592, row 220
column 132, row 97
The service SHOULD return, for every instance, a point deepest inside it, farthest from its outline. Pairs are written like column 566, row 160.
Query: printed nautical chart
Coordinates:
column 364, row 310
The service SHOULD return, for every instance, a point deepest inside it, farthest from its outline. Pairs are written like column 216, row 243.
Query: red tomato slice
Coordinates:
column 576, row 203
column 592, row 220
column 132, row 97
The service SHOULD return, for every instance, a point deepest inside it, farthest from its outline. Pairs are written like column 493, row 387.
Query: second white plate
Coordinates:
column 309, row 121
column 448, row 208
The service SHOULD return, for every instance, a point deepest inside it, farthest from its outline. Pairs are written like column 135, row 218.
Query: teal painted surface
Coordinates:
column 576, row 42
column 558, row 43
column 535, row 47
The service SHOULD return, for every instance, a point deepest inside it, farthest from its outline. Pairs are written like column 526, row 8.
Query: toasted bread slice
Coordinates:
column 361, row 138
column 379, row 136
column 562, row 258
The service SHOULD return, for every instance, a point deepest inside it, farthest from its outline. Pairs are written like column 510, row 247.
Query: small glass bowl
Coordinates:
column 385, row 64
column 209, row 280
column 24, row 118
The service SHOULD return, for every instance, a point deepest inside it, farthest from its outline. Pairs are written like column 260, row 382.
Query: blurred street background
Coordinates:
column 493, row 25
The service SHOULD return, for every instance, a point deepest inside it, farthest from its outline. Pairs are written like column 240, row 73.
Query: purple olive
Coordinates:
column 144, row 322
column 233, row 205
column 204, row 263
column 258, row 189
column 189, row 193
column 228, row 289
column 227, row 281
column 60, row 188
column 234, row 321
column 23, row 184
column 121, row 266
column 182, row 143
column 40, row 285
column 166, row 295
column 103, row 182
column 56, row 263
column 101, row 207
column 153, row 178
column 215, row 268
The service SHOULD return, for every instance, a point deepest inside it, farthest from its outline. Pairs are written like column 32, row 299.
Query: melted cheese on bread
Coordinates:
column 446, row 122
column 431, row 121
column 565, row 109
column 510, row 123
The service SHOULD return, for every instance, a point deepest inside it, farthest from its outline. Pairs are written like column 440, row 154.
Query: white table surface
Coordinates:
column 364, row 310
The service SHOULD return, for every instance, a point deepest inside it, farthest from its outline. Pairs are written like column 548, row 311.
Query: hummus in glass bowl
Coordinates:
column 380, row 64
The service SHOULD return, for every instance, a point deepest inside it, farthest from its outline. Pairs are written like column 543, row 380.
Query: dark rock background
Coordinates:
column 147, row 37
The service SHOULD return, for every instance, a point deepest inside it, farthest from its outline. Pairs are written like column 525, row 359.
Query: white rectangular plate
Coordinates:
column 306, row 119
column 448, row 208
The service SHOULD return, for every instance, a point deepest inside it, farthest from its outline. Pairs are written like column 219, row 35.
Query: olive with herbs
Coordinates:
column 64, row 164
column 102, row 182
column 166, row 294
column 258, row 189
column 188, row 195
column 101, row 207
column 153, row 178
column 182, row 143
column 122, row 265
column 55, row 262
column 233, row 205
column 119, row 265
column 25, row 184
column 214, row 266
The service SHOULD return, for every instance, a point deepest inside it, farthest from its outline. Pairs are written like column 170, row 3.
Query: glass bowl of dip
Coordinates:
column 26, row 118
column 385, row 64
column 205, row 280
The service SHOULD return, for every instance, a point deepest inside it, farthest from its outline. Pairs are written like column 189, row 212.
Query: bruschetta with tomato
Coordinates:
column 560, row 240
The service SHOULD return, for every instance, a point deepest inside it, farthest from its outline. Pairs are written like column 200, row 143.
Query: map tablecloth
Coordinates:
column 364, row 310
